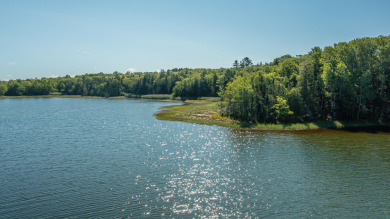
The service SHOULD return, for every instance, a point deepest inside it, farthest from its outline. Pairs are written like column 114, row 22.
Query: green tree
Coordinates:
column 3, row 89
column 238, row 98
column 236, row 64
column 14, row 89
column 295, row 102
column 281, row 110
column 245, row 62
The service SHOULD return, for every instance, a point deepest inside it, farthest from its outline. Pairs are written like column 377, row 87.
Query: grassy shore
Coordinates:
column 151, row 96
column 206, row 112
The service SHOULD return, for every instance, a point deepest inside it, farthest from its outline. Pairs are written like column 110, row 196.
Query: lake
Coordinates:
column 89, row 158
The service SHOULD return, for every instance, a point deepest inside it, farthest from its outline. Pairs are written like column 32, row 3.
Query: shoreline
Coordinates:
column 206, row 113
column 61, row 96
column 144, row 97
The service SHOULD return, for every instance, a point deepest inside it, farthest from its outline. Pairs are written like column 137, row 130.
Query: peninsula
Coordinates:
column 348, row 82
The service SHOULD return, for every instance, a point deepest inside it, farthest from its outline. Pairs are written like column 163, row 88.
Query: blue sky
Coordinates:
column 57, row 38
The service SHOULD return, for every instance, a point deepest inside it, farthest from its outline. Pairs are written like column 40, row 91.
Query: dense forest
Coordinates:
column 346, row 81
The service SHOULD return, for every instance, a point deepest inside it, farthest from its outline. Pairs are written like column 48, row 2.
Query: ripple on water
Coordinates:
column 112, row 158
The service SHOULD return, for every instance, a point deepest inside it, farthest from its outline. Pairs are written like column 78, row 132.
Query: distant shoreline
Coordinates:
column 60, row 96
column 146, row 97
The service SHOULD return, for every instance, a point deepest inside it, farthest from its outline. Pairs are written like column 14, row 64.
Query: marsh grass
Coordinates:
column 150, row 96
column 157, row 96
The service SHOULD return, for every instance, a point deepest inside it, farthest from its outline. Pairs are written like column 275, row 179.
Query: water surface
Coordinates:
column 89, row 158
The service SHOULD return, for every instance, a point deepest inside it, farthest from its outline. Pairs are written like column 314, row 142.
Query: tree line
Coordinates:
column 346, row 81
column 181, row 82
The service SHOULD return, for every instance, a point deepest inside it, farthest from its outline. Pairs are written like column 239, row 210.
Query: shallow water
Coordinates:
column 111, row 158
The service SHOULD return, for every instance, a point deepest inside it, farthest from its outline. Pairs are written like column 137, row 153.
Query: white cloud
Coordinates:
column 158, row 70
column 9, row 75
column 83, row 52
column 12, row 63
column 53, row 76
column 130, row 70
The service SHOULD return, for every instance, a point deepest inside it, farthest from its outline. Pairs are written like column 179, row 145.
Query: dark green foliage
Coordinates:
column 236, row 64
column 182, row 82
column 3, row 88
column 245, row 62
column 346, row 81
